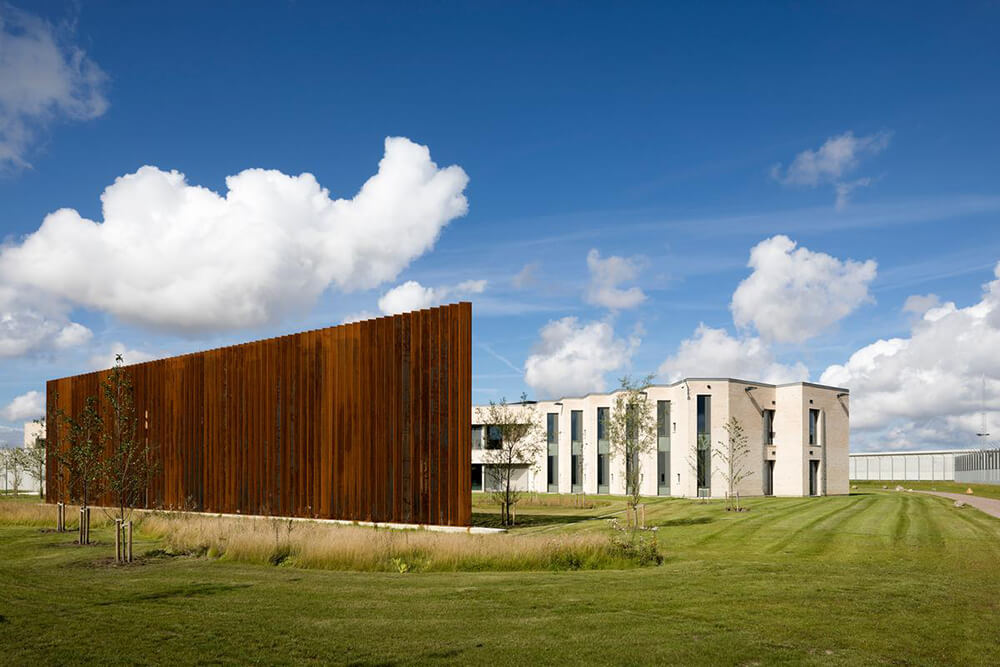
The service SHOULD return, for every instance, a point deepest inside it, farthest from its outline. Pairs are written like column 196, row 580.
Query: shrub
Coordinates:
column 639, row 547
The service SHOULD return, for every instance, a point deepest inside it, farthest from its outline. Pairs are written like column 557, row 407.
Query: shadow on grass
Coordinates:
column 691, row 521
column 179, row 592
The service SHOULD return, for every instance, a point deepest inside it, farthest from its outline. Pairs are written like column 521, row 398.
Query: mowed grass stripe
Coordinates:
column 810, row 524
column 762, row 515
column 902, row 519
column 927, row 530
column 824, row 537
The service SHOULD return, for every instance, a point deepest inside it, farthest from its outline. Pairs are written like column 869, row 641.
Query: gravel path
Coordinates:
column 989, row 505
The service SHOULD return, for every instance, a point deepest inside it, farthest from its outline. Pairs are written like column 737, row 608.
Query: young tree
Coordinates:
column 3, row 464
column 35, row 458
column 6, row 460
column 15, row 464
column 128, row 464
column 520, row 438
column 632, row 431
column 78, row 459
column 734, row 453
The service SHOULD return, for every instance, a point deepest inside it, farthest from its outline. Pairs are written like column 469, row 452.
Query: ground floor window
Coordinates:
column 477, row 476
column 704, row 460
column 602, row 472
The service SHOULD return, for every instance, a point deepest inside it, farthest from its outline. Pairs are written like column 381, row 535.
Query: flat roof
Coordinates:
column 691, row 379
column 911, row 452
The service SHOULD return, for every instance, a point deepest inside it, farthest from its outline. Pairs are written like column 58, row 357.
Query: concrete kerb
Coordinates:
column 471, row 530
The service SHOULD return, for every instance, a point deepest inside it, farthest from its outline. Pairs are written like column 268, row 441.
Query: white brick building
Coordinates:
column 799, row 438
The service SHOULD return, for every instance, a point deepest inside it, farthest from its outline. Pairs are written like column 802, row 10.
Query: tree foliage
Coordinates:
column 734, row 454
column 632, row 431
column 13, row 461
column 34, row 454
column 128, row 464
column 80, row 471
column 521, row 436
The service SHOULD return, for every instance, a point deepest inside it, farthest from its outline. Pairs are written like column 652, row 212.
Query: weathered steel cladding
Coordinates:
column 367, row 421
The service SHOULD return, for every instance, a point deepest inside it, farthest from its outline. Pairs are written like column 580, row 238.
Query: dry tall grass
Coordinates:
column 543, row 500
column 27, row 513
column 334, row 547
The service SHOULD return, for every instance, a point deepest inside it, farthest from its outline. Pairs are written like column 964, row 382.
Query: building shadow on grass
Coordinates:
column 178, row 592
column 689, row 521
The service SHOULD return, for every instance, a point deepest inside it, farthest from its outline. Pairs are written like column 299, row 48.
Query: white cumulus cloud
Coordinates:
column 24, row 407
column 714, row 353
column 924, row 390
column 605, row 277
column 921, row 303
column 43, row 79
column 179, row 257
column 794, row 294
column 32, row 322
column 571, row 358
column 411, row 295
column 71, row 335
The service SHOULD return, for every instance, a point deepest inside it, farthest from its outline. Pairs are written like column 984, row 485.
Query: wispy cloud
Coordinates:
column 506, row 362
column 830, row 162
column 814, row 220
column 44, row 78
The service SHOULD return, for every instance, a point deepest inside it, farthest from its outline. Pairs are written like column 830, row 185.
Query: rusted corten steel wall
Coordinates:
column 367, row 421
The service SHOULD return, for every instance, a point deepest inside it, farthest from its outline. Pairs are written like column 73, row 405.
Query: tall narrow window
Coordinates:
column 477, row 436
column 768, row 427
column 477, row 476
column 704, row 445
column 552, row 440
column 663, row 448
column 603, row 449
column 813, row 426
column 576, row 450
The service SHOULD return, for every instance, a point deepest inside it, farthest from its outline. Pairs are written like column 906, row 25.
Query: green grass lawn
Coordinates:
column 876, row 577
column 984, row 490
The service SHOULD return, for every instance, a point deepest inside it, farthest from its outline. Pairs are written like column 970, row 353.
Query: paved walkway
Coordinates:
column 989, row 505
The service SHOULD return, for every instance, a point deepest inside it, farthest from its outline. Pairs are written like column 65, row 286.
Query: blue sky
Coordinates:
column 670, row 140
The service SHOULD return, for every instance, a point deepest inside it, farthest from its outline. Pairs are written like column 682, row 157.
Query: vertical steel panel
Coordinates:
column 364, row 421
